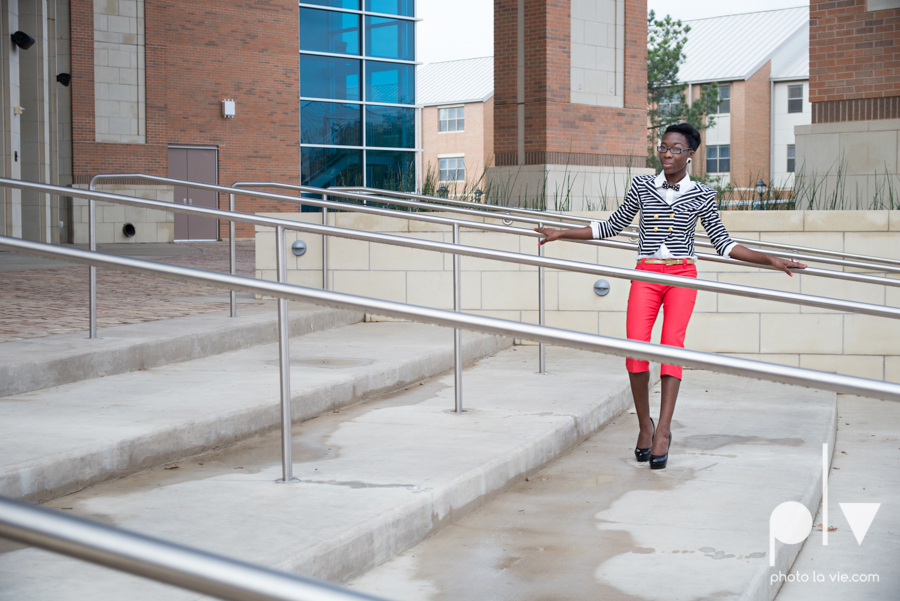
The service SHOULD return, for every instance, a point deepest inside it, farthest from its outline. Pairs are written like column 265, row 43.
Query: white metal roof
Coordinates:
column 455, row 82
column 734, row 47
column 795, row 68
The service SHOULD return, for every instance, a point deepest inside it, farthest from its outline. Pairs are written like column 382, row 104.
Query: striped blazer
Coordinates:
column 661, row 222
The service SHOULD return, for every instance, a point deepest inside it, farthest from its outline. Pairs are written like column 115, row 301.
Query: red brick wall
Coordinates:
column 750, row 128
column 557, row 131
column 853, row 55
column 198, row 53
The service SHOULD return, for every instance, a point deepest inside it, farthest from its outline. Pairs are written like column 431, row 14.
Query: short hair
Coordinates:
column 688, row 131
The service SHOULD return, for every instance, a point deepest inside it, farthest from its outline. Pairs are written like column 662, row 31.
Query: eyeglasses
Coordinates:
column 664, row 149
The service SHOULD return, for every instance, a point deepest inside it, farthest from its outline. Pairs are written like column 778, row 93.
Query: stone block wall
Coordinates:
column 765, row 330
column 151, row 225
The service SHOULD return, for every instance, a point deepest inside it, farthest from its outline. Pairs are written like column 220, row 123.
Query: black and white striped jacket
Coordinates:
column 672, row 224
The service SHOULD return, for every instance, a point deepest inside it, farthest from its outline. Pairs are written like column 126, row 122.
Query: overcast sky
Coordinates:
column 465, row 28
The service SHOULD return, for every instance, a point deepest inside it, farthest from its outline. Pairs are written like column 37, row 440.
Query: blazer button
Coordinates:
column 656, row 216
column 672, row 215
column 656, row 229
column 670, row 229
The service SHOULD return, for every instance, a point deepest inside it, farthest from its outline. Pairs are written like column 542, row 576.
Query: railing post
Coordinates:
column 457, row 333
column 232, row 259
column 324, row 247
column 92, row 280
column 284, row 363
column 542, row 349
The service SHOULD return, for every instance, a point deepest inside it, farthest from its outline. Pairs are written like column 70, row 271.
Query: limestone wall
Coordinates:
column 781, row 333
column 151, row 225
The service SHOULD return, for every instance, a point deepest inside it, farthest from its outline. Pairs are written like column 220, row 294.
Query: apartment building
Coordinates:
column 760, row 64
column 457, row 122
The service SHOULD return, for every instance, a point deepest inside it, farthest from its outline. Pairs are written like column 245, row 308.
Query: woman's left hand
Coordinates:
column 787, row 265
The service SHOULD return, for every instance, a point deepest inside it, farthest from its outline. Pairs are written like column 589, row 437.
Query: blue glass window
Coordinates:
column 329, row 77
column 391, row 170
column 329, row 31
column 327, row 167
column 390, row 38
column 390, row 127
column 404, row 8
column 330, row 123
column 388, row 82
column 351, row 4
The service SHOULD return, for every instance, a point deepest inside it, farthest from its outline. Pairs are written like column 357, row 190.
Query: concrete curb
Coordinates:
column 372, row 543
column 56, row 475
column 39, row 363
column 759, row 588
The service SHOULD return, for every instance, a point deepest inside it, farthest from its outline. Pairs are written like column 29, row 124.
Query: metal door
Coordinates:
column 197, row 165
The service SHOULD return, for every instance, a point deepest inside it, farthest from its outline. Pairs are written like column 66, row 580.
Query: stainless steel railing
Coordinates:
column 325, row 204
column 443, row 317
column 159, row 560
column 456, row 319
column 541, row 262
column 536, row 214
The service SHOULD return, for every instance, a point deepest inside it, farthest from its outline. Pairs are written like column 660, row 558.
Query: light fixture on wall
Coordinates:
column 478, row 195
column 22, row 40
column 761, row 188
column 228, row 108
column 64, row 78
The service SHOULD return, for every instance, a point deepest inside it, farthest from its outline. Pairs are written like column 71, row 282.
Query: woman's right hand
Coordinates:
column 549, row 234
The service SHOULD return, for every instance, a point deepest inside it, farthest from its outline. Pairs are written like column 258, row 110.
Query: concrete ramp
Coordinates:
column 597, row 525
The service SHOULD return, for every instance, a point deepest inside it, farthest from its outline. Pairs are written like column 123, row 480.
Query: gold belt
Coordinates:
column 667, row 261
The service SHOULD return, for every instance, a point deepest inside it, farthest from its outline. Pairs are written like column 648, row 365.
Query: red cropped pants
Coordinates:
column 644, row 301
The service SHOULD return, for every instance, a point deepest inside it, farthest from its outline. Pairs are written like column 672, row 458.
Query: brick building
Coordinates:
column 148, row 80
column 854, row 67
column 457, row 100
column 570, row 98
column 759, row 63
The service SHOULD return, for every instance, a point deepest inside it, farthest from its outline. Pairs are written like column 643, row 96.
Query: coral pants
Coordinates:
column 644, row 301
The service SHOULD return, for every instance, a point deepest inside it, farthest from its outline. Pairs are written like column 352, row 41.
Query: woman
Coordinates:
column 670, row 204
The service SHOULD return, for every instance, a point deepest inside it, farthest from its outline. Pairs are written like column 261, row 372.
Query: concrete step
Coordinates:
column 38, row 363
column 598, row 525
column 61, row 439
column 374, row 479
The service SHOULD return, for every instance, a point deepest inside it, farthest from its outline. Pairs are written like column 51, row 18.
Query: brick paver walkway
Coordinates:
column 43, row 302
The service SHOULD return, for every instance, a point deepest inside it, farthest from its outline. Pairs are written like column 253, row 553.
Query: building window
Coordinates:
column 795, row 99
column 718, row 159
column 791, row 158
column 670, row 106
column 724, row 99
column 452, row 119
column 357, row 93
column 453, row 169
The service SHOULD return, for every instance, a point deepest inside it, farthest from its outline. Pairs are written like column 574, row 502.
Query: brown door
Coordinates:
column 196, row 165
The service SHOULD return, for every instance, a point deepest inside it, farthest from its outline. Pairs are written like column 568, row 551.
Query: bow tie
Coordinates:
column 668, row 185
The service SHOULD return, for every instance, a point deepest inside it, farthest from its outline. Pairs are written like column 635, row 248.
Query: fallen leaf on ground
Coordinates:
column 171, row 467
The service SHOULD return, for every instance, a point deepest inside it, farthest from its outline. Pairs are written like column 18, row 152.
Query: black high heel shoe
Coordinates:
column 658, row 462
column 643, row 455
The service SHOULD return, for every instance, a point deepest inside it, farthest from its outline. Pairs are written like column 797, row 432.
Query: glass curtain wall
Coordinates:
column 357, row 93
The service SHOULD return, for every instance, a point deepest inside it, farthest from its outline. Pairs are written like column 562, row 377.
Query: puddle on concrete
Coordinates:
column 708, row 442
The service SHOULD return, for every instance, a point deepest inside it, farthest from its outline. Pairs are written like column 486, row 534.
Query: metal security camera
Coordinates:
column 22, row 40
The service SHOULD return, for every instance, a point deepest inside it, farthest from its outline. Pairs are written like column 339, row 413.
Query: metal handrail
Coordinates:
column 455, row 223
column 442, row 317
column 329, row 192
column 163, row 561
column 541, row 262
column 455, row 319
column 534, row 213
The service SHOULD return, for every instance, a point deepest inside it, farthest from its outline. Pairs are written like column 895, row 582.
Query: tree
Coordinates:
column 666, row 97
